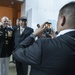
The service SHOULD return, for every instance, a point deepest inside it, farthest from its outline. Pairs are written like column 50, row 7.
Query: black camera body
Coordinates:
column 47, row 32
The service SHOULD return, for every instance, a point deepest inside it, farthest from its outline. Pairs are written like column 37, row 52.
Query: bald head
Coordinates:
column 3, row 18
column 66, row 18
column 68, row 11
column 5, row 21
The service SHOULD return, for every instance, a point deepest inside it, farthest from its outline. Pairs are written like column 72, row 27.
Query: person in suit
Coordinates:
column 51, row 56
column 6, row 45
column 21, row 33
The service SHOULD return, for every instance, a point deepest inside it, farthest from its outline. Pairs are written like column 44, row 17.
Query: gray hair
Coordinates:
column 3, row 18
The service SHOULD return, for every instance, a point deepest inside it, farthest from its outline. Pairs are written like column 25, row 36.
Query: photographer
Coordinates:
column 48, row 32
column 51, row 56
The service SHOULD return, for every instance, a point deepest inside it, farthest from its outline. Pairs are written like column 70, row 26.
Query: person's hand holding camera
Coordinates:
column 40, row 30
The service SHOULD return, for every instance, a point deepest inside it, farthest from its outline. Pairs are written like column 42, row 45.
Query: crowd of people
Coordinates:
column 12, row 36
column 53, row 53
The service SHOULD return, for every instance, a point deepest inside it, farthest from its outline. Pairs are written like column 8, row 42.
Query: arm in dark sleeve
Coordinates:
column 29, row 53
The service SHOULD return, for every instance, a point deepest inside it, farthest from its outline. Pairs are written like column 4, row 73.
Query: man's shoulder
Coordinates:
column 49, row 40
column 14, row 27
column 29, row 28
column 17, row 28
column 10, row 29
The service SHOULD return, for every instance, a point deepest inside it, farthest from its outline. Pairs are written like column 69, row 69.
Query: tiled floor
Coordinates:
column 12, row 69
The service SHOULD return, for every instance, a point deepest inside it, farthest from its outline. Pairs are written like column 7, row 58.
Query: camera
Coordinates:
column 48, row 25
column 47, row 31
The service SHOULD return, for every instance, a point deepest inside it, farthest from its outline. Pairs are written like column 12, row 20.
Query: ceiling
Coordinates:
column 11, row 3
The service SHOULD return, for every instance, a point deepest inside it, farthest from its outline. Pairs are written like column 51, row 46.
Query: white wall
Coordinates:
column 23, row 9
column 20, row 0
column 29, row 17
column 43, row 10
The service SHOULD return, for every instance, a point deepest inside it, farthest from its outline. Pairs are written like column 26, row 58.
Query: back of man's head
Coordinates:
column 68, row 11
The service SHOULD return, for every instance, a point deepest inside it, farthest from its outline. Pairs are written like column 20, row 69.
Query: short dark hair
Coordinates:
column 38, row 25
column 68, row 10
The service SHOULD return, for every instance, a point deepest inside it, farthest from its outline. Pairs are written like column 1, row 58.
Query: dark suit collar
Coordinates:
column 69, row 39
column 25, row 27
column 25, row 30
column 72, row 33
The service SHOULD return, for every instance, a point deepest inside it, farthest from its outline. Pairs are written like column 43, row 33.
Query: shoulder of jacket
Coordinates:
column 29, row 28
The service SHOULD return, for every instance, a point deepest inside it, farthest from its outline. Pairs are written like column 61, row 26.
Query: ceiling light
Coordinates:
column 12, row 2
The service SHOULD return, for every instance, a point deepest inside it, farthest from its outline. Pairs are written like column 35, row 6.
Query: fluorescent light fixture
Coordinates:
column 20, row 0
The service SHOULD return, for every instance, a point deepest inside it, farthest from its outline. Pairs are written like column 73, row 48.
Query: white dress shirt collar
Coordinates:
column 21, row 30
column 21, row 27
column 65, row 31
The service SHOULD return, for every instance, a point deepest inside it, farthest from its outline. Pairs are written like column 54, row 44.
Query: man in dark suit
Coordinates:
column 51, row 56
column 21, row 33
column 6, row 45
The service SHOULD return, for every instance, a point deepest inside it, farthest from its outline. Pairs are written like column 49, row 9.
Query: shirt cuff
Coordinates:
column 33, row 36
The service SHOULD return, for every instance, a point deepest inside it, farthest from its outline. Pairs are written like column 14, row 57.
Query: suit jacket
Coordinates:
column 19, row 38
column 49, row 56
column 6, row 41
